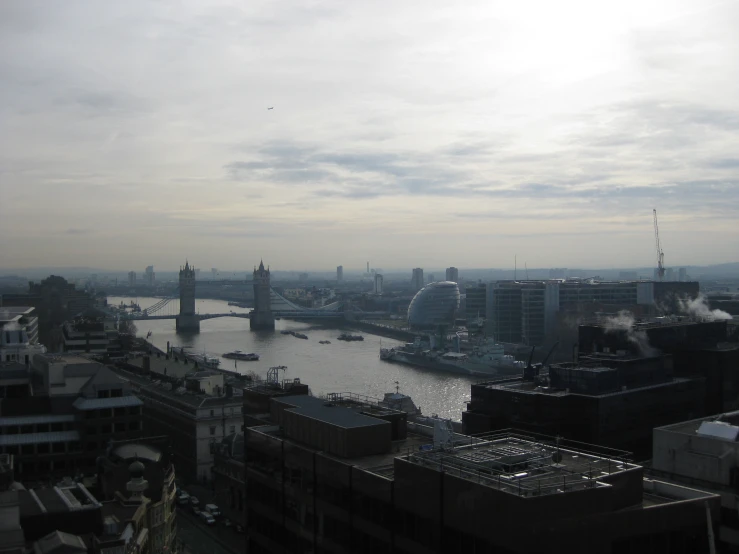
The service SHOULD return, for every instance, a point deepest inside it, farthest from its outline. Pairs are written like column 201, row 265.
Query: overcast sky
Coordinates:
column 407, row 133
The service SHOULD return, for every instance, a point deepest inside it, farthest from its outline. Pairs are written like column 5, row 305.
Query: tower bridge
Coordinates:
column 268, row 304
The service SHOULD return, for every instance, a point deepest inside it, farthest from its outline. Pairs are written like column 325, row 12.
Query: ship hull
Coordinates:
column 436, row 365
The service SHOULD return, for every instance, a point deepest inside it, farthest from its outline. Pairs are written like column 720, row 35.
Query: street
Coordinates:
column 199, row 538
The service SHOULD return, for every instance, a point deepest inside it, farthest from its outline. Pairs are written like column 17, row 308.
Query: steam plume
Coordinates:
column 624, row 321
column 698, row 307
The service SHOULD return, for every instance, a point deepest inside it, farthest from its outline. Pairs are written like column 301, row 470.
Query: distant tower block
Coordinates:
column 261, row 316
column 188, row 320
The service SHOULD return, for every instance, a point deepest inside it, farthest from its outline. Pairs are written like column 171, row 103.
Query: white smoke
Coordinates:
column 624, row 321
column 698, row 307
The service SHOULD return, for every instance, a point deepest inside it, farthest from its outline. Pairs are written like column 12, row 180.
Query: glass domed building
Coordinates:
column 434, row 305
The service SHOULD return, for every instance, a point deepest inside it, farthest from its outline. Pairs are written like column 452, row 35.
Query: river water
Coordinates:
column 336, row 367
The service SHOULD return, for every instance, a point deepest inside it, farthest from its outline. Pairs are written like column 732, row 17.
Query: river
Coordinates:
column 336, row 367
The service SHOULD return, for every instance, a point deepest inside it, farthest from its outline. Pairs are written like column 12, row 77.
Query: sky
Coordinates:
column 415, row 133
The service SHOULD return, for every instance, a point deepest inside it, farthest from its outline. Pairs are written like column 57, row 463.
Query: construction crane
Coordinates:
column 660, row 254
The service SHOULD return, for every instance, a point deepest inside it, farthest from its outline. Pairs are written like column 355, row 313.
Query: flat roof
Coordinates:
column 692, row 426
column 10, row 313
column 35, row 419
column 523, row 465
column 328, row 412
column 145, row 387
column 529, row 387
column 34, row 438
column 117, row 402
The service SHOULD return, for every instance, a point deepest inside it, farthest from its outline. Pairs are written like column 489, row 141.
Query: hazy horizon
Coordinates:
column 408, row 134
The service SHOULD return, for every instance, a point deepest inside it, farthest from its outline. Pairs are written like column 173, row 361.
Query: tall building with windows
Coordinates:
column 417, row 279
column 340, row 273
column 378, row 284
column 131, row 278
column 60, row 413
column 149, row 275
column 19, row 335
column 452, row 274
column 533, row 312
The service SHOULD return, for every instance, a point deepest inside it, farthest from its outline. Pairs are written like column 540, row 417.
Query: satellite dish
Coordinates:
column 557, row 457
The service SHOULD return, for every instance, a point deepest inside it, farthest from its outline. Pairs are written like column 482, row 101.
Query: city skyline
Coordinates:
column 138, row 132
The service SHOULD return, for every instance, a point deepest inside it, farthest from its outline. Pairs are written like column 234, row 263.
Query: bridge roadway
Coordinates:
column 292, row 314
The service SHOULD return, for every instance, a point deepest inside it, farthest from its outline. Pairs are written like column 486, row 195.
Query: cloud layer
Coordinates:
column 407, row 133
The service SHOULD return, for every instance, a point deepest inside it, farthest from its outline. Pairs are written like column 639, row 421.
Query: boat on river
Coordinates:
column 241, row 355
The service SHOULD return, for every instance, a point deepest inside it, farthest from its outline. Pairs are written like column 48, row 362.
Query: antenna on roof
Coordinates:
column 515, row 265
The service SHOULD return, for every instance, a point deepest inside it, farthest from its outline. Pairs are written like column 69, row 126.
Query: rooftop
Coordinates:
column 523, row 465
column 518, row 385
column 723, row 427
column 329, row 412
column 11, row 313
column 147, row 387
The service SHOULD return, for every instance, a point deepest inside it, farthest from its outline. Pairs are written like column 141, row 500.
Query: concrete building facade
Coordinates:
column 322, row 476
column 452, row 274
column 703, row 454
column 417, row 279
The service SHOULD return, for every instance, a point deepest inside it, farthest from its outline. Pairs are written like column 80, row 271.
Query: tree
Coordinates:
column 127, row 333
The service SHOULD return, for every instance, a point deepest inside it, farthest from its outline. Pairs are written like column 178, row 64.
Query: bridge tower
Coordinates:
column 188, row 320
column 261, row 315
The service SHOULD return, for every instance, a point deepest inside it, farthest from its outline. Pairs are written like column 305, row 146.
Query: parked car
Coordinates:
column 213, row 509
column 183, row 498
column 207, row 517
column 196, row 511
column 194, row 502
column 240, row 529
column 227, row 523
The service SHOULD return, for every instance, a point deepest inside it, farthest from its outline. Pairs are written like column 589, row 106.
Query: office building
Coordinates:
column 682, row 275
column 149, row 276
column 131, row 278
column 214, row 273
column 702, row 453
column 537, row 312
column 699, row 348
column 19, row 335
column 452, row 274
column 609, row 399
column 378, row 284
column 340, row 273
column 475, row 306
column 55, row 301
column 229, row 476
column 90, row 333
column 345, row 476
column 194, row 419
column 60, row 413
column 417, row 279
column 434, row 306
column 432, row 278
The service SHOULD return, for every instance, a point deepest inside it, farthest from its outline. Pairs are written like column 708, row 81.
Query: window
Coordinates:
column 120, row 412
column 27, row 429
column 213, row 430
column 57, row 427
column 133, row 426
column 42, row 428
column 92, row 430
column 103, row 394
column 105, row 429
column 211, row 413
column 57, row 447
column 116, row 393
column 42, row 448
